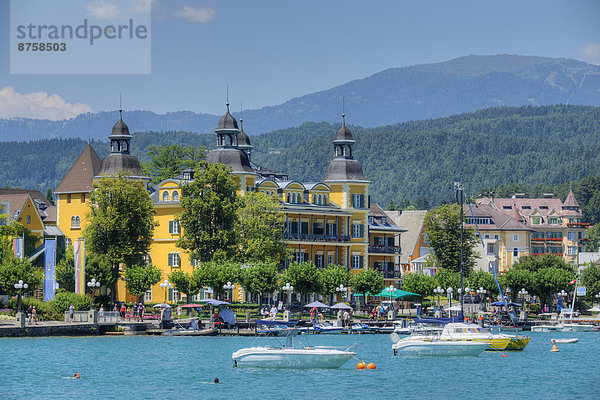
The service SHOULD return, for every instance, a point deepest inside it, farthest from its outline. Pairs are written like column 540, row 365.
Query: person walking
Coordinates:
column 71, row 312
column 34, row 315
column 141, row 312
column 123, row 310
column 179, row 312
column 101, row 313
column 29, row 314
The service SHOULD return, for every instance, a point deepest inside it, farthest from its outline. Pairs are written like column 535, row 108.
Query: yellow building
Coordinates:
column 328, row 222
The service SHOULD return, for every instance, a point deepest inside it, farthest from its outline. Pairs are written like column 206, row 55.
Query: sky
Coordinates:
column 269, row 51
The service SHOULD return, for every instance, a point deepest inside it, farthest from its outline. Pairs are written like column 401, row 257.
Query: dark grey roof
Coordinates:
column 227, row 122
column 343, row 134
column 120, row 129
column 235, row 158
column 341, row 169
column 116, row 163
column 243, row 139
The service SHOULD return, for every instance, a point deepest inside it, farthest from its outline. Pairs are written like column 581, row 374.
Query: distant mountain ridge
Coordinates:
column 395, row 95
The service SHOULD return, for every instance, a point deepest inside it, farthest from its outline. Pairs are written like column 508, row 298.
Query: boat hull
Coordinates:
column 190, row 332
column 577, row 328
column 547, row 328
column 518, row 343
column 261, row 357
column 439, row 348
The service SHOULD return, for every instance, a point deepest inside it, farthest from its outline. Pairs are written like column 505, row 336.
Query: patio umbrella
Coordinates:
column 594, row 309
column 342, row 306
column 317, row 304
column 214, row 302
column 398, row 294
column 454, row 308
column 191, row 305
column 161, row 305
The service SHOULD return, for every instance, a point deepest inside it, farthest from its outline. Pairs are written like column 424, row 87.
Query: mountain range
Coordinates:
column 392, row 96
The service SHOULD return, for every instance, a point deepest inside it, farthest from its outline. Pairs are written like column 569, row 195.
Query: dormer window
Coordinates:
column 372, row 220
column 165, row 196
column 383, row 220
column 175, row 195
column 187, row 176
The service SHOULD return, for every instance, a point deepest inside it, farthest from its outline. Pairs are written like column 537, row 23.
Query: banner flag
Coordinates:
column 79, row 255
column 50, row 260
column 18, row 247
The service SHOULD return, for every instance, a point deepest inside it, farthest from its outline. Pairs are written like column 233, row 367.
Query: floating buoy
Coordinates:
column 554, row 348
column 361, row 365
column 504, row 355
column 371, row 366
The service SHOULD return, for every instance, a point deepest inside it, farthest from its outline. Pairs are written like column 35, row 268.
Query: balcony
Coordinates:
column 384, row 249
column 578, row 224
column 537, row 239
column 555, row 239
column 309, row 237
column 390, row 274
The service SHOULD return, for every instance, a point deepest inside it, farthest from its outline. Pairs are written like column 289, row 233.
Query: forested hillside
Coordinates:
column 413, row 162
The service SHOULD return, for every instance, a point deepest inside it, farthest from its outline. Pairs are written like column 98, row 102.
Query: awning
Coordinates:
column 398, row 294
column 501, row 303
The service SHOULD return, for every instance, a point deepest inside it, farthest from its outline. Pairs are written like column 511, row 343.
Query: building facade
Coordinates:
column 327, row 222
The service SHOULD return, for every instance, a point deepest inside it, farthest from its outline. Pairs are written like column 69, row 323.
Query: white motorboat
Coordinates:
column 577, row 327
column 547, row 328
column 416, row 328
column 290, row 356
column 431, row 345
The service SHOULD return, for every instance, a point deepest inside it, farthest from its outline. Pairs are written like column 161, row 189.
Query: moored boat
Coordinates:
column 291, row 356
column 432, row 345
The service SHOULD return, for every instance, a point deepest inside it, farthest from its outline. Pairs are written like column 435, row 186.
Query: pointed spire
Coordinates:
column 120, row 107
column 241, row 116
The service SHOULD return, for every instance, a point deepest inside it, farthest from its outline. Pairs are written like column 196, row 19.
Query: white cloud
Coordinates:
column 143, row 7
column 103, row 10
column 37, row 105
column 199, row 15
column 590, row 52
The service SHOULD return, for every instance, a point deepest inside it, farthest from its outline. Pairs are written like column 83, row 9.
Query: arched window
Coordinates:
column 175, row 195
column 75, row 221
column 288, row 198
column 165, row 196
column 325, row 200
column 29, row 219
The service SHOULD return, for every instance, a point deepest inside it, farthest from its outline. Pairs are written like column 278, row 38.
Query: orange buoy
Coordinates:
column 504, row 355
column 554, row 348
column 361, row 365
column 371, row 366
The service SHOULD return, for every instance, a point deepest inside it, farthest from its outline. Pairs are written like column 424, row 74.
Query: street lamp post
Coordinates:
column 166, row 285
column 20, row 286
column 341, row 290
column 93, row 285
column 482, row 292
column 229, row 287
column 562, row 294
column 438, row 291
column 449, row 295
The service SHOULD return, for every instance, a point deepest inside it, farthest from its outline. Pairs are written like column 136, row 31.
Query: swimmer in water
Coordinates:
column 216, row 380
column 76, row 376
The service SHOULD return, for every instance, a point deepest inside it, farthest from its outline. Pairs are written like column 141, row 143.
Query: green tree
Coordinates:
column 121, row 222
column 185, row 283
column 483, row 279
column 260, row 279
column 65, row 272
column 12, row 270
column 303, row 276
column 215, row 274
column 208, row 215
column 168, row 161
column 259, row 229
column 420, row 284
column 442, row 228
column 140, row 278
column 551, row 280
column 332, row 277
column 517, row 279
column 367, row 280
column 446, row 278
column 590, row 278
column 536, row 263
column 49, row 196
column 593, row 238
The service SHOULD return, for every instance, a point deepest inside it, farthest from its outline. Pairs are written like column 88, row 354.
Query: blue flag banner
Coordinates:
column 50, row 260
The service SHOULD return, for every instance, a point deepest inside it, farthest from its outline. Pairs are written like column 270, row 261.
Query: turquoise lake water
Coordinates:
column 147, row 367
